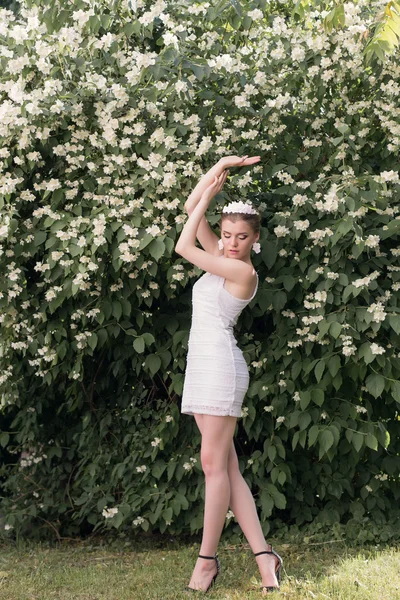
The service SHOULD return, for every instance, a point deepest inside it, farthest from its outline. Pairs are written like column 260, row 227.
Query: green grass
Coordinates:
column 84, row 572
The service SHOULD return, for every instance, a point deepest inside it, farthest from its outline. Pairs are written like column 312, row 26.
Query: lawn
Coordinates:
column 136, row 572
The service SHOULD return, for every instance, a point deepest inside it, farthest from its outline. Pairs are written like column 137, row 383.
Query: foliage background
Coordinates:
column 109, row 114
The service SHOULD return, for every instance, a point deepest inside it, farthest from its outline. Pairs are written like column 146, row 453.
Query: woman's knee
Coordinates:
column 211, row 463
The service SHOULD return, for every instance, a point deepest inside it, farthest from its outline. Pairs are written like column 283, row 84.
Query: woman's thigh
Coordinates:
column 216, row 439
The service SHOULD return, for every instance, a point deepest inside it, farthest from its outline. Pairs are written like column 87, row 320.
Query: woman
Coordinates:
column 217, row 377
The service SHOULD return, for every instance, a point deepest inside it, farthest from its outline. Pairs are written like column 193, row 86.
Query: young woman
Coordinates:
column 217, row 378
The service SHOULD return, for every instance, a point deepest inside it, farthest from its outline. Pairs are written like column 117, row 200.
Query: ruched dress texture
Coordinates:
column 216, row 377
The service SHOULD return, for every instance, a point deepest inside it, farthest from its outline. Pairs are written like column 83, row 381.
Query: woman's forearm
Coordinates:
column 203, row 184
column 189, row 231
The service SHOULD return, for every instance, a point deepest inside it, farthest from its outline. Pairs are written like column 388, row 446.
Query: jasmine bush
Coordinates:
column 109, row 113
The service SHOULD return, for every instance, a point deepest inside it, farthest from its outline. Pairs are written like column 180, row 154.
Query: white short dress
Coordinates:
column 216, row 377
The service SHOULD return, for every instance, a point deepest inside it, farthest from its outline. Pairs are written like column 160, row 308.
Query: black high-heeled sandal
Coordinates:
column 189, row 589
column 272, row 588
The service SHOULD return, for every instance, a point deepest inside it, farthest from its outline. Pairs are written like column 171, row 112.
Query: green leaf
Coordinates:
column 154, row 363
column 335, row 329
column 289, row 283
column 394, row 321
column 326, row 439
column 269, row 253
column 39, row 237
column 313, row 435
column 305, row 399
column 138, row 344
column 366, row 353
column 343, row 128
column 92, row 341
column 357, row 440
column 319, row 370
column 157, row 249
column 296, row 370
column 117, row 309
column 371, row 441
column 334, row 365
column 4, row 438
column 279, row 300
column 267, row 503
column 318, row 396
column 167, row 514
column 323, row 326
column 304, row 421
column 278, row 498
column 102, row 336
column 395, row 390
column 375, row 384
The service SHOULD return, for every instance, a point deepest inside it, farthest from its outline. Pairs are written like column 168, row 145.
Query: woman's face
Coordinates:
column 237, row 238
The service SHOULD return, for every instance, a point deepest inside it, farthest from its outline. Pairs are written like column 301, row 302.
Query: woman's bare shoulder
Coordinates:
column 229, row 268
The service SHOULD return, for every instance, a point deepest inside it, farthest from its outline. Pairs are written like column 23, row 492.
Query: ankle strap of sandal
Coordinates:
column 208, row 557
column 263, row 552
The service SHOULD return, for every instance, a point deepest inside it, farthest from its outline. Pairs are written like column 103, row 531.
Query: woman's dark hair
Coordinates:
column 252, row 220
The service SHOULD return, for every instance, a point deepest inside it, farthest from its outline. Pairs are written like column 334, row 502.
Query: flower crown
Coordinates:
column 239, row 207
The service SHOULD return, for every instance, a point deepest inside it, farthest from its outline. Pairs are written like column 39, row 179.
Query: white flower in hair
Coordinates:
column 239, row 207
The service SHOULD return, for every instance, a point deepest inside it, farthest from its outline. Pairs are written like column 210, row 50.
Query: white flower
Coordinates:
column 349, row 350
column 156, row 442
column 181, row 86
column 141, row 469
column 298, row 53
column 255, row 14
column 170, row 39
column 375, row 349
column 280, row 419
column 239, row 207
column 138, row 521
column 281, row 231
column 169, row 418
column 268, row 408
column 108, row 513
column 372, row 241
column 153, row 230
column 368, row 488
column 7, row 527
column 229, row 515
column 320, row 296
column 388, row 176
column 378, row 311
column 302, row 225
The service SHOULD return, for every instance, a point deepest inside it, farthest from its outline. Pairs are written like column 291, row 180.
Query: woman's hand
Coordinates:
column 238, row 161
column 214, row 189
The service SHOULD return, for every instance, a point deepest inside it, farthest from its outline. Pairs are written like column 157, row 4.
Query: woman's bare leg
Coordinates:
column 216, row 439
column 244, row 508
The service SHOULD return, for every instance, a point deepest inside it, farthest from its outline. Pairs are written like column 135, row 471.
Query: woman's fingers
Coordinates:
column 252, row 160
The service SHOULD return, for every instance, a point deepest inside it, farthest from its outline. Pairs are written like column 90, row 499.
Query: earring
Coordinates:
column 257, row 247
column 220, row 244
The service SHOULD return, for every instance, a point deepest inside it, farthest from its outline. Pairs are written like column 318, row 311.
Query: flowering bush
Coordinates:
column 109, row 113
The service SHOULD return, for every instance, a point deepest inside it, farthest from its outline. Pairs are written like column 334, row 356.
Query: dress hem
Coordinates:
column 204, row 411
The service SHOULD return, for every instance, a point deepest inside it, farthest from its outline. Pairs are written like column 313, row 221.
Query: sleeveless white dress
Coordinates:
column 216, row 377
